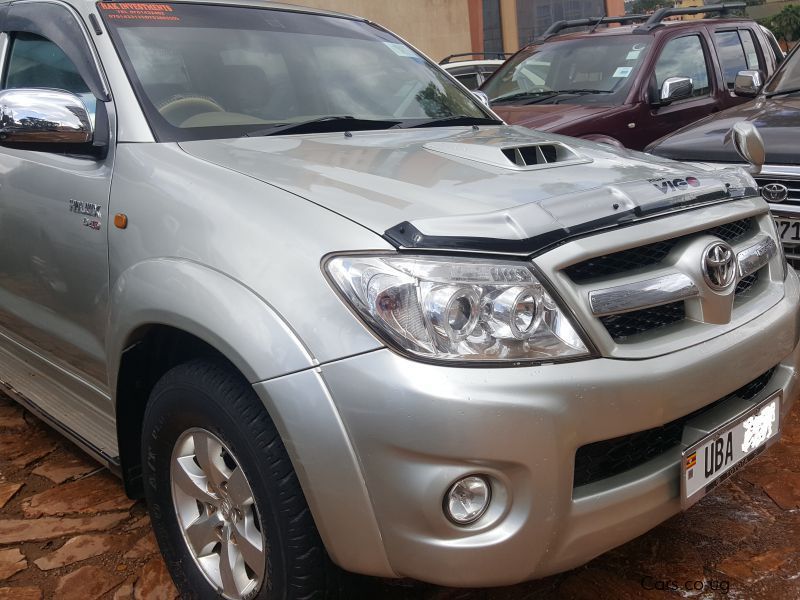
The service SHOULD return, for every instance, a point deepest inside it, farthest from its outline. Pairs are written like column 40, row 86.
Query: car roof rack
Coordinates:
column 594, row 22
column 487, row 55
column 657, row 18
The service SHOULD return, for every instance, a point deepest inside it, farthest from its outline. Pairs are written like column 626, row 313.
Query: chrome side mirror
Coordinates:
column 43, row 116
column 676, row 88
column 482, row 97
column 749, row 144
column 748, row 84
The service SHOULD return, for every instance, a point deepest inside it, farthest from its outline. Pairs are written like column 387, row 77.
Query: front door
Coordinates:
column 53, row 227
column 685, row 56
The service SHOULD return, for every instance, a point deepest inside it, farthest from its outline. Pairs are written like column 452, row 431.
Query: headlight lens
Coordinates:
column 457, row 309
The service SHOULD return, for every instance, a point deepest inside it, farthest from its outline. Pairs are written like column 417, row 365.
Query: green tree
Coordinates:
column 786, row 24
column 639, row 7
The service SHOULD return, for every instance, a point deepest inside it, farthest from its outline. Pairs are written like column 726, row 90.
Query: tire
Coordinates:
column 205, row 404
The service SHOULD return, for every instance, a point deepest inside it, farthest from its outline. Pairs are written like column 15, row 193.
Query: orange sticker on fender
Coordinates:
column 138, row 11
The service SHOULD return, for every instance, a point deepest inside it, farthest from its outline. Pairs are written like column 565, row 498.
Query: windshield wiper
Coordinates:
column 326, row 124
column 783, row 92
column 543, row 96
column 454, row 120
column 557, row 93
column 581, row 92
column 519, row 96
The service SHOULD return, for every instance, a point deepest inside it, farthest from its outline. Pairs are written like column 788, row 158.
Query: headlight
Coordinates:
column 457, row 309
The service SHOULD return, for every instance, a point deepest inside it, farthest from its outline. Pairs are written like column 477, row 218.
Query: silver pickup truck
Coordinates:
column 319, row 306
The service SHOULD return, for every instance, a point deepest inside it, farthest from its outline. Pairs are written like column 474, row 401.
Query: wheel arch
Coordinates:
column 168, row 311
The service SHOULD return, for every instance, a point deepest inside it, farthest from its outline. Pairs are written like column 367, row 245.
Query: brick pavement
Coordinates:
column 68, row 531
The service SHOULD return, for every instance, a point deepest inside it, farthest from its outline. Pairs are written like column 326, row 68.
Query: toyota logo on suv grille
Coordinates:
column 774, row 192
column 719, row 266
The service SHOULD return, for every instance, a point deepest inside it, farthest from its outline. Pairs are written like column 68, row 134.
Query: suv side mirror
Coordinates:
column 675, row 88
column 748, row 84
column 43, row 117
column 749, row 144
column 482, row 97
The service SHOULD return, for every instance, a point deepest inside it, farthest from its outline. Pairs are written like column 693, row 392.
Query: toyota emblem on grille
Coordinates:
column 719, row 266
column 774, row 192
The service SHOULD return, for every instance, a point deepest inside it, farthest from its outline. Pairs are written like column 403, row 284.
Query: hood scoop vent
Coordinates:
column 539, row 154
column 528, row 157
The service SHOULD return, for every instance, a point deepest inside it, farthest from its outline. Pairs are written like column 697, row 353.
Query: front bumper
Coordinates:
column 411, row 429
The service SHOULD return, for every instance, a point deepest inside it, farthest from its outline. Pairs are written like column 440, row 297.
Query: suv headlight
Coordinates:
column 457, row 309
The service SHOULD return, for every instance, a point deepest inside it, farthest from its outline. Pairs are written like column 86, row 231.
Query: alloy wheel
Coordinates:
column 217, row 514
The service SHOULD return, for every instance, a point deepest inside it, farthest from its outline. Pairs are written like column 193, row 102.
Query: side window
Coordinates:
column 737, row 52
column 750, row 52
column 36, row 62
column 469, row 80
column 777, row 51
column 684, row 57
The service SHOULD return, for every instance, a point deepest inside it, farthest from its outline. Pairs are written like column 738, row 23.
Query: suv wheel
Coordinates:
column 227, row 509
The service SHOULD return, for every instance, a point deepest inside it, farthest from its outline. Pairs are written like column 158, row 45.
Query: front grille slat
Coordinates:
column 622, row 326
column 650, row 254
column 793, row 260
column 600, row 460
column 744, row 289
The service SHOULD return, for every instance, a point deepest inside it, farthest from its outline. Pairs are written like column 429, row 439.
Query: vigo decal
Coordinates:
column 675, row 185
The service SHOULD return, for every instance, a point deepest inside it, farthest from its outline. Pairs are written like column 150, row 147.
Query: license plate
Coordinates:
column 718, row 455
column 789, row 230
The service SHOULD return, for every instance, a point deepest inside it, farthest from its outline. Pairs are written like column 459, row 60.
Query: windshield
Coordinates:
column 208, row 71
column 599, row 69
column 787, row 79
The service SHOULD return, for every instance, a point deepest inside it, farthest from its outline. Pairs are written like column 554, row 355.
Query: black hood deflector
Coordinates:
column 406, row 236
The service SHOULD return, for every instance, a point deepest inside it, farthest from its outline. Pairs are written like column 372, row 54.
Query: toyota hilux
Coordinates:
column 320, row 307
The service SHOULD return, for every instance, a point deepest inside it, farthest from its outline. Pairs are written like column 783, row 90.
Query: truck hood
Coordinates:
column 455, row 187
column 775, row 118
column 548, row 117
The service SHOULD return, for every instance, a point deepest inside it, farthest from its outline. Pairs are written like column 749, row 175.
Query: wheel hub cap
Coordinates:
column 217, row 514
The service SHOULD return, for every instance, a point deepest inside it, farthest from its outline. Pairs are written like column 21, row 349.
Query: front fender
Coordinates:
column 209, row 305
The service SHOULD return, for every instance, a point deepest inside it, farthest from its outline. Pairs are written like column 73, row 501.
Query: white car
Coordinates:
column 472, row 73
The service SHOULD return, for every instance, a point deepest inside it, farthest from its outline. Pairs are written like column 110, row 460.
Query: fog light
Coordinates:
column 467, row 500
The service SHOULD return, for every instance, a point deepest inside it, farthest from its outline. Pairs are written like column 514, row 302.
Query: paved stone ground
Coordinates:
column 67, row 531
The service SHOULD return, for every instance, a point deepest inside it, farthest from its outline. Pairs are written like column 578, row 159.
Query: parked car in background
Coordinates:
column 632, row 84
column 473, row 72
column 776, row 113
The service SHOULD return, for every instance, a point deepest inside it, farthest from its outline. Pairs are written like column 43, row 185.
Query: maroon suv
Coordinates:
column 632, row 84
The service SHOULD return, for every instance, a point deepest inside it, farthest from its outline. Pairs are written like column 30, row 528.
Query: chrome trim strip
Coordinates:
column 756, row 256
column 787, row 171
column 4, row 44
column 642, row 294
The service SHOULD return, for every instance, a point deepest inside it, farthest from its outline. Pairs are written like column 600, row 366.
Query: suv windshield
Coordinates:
column 209, row 71
column 586, row 70
column 787, row 79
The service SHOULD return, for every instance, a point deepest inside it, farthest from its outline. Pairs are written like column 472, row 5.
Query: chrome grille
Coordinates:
column 635, row 292
column 793, row 185
column 650, row 254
